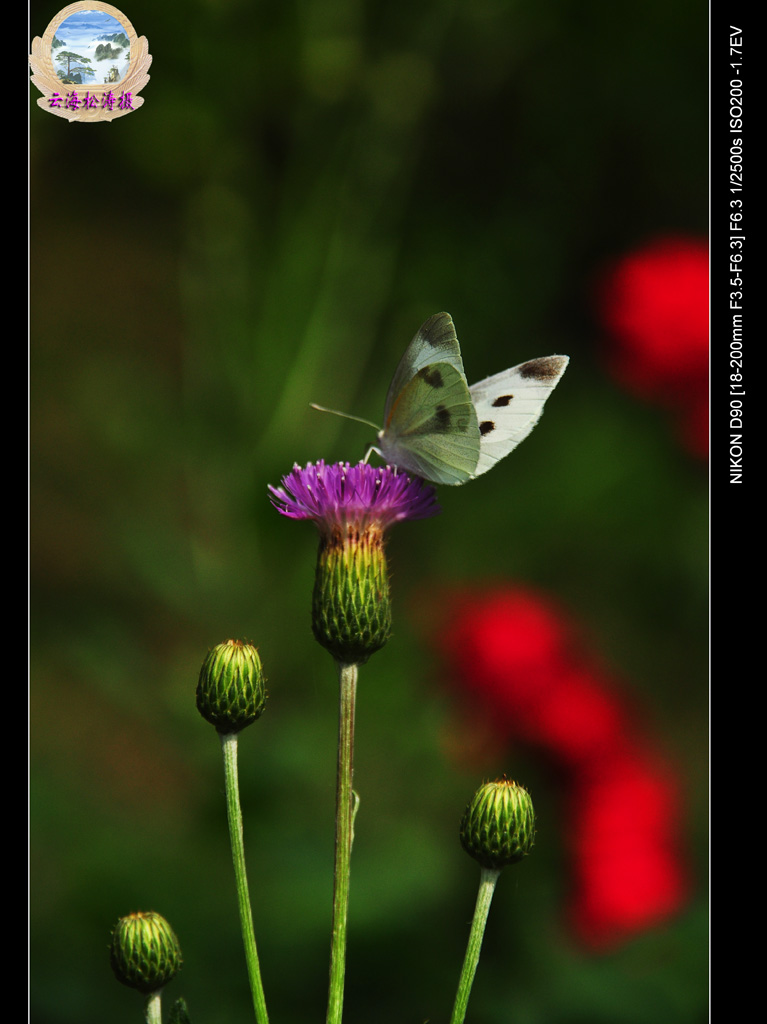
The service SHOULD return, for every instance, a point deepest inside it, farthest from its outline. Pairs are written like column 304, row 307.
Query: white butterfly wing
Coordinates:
column 509, row 404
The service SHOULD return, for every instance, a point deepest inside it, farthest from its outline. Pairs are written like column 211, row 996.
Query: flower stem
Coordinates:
column 487, row 881
column 234, row 814
column 153, row 1007
column 344, row 831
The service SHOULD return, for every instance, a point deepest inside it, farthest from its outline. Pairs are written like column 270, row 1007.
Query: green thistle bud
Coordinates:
column 144, row 952
column 351, row 607
column 498, row 827
column 231, row 691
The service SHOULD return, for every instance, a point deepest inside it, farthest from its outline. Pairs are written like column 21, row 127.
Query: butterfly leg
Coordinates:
column 370, row 451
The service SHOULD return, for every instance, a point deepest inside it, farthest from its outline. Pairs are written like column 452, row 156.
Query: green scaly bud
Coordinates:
column 231, row 691
column 144, row 952
column 498, row 827
column 351, row 606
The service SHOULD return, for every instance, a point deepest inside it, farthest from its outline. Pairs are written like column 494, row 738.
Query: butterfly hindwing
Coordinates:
column 509, row 404
column 431, row 427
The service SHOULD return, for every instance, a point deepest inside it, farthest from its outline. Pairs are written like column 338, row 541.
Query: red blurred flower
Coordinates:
column 654, row 304
column 628, row 872
column 506, row 648
column 580, row 716
column 515, row 654
column 518, row 655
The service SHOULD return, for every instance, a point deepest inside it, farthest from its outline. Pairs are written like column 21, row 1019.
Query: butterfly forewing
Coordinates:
column 434, row 342
column 509, row 404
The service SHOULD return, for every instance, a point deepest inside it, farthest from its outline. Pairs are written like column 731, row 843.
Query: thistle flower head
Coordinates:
column 342, row 497
column 498, row 827
column 144, row 951
column 231, row 691
column 352, row 506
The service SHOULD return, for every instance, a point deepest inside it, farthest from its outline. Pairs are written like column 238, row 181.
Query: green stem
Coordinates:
column 344, row 831
column 487, row 880
column 153, row 1007
column 234, row 814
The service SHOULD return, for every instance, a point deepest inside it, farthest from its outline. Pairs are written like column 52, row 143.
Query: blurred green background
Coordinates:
column 305, row 183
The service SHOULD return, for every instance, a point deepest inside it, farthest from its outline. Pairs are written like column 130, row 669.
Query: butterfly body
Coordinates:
column 439, row 428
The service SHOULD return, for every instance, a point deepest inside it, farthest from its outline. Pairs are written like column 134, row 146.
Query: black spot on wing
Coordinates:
column 432, row 376
column 502, row 401
column 442, row 419
column 486, row 427
column 544, row 369
column 445, row 421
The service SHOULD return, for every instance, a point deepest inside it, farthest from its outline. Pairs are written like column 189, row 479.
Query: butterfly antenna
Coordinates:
column 345, row 415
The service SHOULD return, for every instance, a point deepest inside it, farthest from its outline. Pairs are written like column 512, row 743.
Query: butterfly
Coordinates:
column 439, row 428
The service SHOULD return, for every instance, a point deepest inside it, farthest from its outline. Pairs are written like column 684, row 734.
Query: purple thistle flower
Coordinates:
column 342, row 495
column 352, row 506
